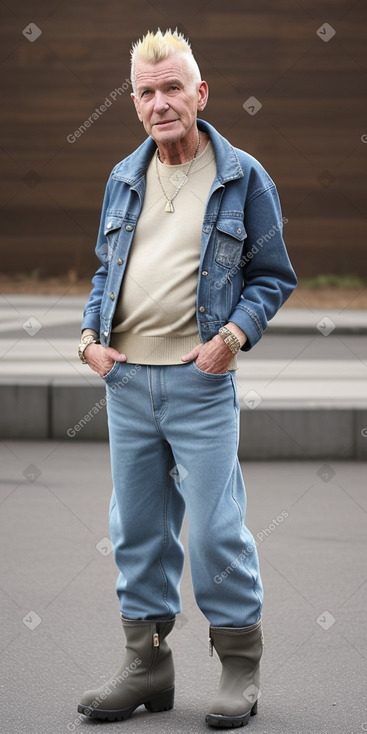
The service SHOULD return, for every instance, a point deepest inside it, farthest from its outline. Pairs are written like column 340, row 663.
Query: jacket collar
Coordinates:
column 132, row 168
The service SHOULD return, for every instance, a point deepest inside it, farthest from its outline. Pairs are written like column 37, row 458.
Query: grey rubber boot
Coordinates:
column 239, row 650
column 145, row 677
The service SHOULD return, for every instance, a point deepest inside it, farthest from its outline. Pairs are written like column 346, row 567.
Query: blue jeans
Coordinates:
column 173, row 441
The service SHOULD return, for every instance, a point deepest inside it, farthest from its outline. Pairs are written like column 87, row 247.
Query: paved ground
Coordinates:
column 60, row 628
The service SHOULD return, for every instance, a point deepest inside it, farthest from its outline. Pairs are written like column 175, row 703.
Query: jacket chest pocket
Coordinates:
column 229, row 239
column 111, row 231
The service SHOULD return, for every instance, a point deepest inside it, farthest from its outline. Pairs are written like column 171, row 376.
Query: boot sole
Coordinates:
column 230, row 722
column 162, row 701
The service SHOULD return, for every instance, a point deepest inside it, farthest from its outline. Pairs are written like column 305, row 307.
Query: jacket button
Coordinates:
column 202, row 309
column 112, row 296
column 109, row 225
column 239, row 231
column 205, row 272
column 120, row 261
column 129, row 227
column 105, row 333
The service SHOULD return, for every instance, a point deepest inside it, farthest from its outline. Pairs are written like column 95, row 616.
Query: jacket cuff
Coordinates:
column 91, row 321
column 250, row 325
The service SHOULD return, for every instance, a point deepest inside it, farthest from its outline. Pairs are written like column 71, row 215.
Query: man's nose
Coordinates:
column 160, row 102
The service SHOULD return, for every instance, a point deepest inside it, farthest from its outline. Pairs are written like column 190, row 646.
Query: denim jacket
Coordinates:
column 245, row 274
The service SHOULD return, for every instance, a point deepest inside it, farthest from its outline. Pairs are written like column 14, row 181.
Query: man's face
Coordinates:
column 167, row 99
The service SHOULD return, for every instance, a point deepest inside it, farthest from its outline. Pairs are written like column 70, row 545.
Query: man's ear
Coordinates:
column 203, row 94
column 136, row 104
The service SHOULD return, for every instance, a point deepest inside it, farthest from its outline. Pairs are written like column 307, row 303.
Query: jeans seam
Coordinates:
column 233, row 497
column 164, row 544
column 235, row 399
column 237, row 442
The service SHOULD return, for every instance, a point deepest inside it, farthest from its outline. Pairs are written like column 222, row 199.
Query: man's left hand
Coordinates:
column 214, row 356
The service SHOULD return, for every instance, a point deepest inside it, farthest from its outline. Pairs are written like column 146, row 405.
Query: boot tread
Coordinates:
column 230, row 722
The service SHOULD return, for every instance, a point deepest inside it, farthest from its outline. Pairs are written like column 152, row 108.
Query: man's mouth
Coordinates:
column 162, row 123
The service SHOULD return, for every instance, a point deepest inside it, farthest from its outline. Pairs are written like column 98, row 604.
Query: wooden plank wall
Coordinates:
column 308, row 133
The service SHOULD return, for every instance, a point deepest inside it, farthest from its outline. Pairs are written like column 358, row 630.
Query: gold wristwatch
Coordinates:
column 230, row 339
column 84, row 343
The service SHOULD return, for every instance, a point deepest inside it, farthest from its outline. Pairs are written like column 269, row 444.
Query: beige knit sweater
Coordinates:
column 155, row 321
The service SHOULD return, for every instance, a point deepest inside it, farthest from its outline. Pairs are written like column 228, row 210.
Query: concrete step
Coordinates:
column 290, row 407
column 16, row 310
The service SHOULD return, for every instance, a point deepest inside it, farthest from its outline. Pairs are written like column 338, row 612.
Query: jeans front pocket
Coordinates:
column 210, row 375
column 112, row 373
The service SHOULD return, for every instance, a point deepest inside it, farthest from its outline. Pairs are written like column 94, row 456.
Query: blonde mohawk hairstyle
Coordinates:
column 155, row 47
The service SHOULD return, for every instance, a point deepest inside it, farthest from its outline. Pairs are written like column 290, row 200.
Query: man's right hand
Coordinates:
column 101, row 359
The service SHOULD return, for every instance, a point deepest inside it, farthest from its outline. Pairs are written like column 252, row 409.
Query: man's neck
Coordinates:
column 182, row 151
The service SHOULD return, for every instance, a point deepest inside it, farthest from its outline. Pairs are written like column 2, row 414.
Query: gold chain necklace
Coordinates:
column 169, row 205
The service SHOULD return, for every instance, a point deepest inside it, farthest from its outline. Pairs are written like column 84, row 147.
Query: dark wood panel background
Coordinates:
column 308, row 133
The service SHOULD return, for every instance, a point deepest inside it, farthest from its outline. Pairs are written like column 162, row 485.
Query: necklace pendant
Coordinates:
column 169, row 207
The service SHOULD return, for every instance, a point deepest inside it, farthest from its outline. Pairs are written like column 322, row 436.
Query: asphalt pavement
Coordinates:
column 60, row 626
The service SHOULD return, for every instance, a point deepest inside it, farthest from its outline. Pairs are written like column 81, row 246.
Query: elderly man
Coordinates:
column 189, row 276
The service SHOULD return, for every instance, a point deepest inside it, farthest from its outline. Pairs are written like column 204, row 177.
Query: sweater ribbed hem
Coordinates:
column 156, row 349
column 153, row 349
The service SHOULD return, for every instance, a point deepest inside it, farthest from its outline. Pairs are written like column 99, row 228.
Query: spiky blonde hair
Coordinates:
column 155, row 47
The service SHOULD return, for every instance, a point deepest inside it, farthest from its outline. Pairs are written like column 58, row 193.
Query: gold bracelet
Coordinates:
column 230, row 339
column 85, row 342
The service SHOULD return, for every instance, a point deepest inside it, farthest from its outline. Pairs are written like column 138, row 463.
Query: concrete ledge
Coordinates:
column 70, row 411
column 303, row 432
column 323, row 321
column 25, row 411
column 297, row 402
column 78, row 412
